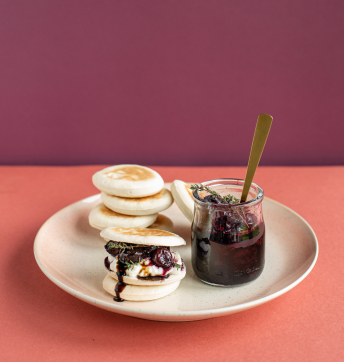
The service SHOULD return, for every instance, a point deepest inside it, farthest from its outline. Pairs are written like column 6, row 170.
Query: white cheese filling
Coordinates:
column 146, row 268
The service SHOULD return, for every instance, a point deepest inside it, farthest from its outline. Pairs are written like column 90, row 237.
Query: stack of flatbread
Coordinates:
column 141, row 265
column 132, row 197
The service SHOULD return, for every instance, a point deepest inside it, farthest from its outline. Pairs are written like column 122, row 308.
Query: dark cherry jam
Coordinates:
column 131, row 254
column 120, row 284
column 228, row 247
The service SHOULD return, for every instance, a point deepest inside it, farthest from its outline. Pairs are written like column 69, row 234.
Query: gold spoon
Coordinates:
column 259, row 139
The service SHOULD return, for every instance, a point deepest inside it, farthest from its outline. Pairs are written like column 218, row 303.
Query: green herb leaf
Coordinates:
column 250, row 235
column 229, row 199
column 113, row 244
column 130, row 264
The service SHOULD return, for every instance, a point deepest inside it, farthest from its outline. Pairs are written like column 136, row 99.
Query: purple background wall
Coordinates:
column 170, row 82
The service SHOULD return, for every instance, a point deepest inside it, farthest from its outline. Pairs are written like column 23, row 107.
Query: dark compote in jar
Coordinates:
column 228, row 240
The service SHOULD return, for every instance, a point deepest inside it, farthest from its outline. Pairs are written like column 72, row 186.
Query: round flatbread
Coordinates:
column 183, row 197
column 128, row 181
column 102, row 217
column 135, row 281
column 162, row 222
column 140, row 293
column 142, row 236
column 139, row 206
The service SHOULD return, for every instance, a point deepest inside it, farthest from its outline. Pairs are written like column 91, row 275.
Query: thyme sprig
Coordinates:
column 112, row 244
column 229, row 199
column 178, row 266
column 130, row 264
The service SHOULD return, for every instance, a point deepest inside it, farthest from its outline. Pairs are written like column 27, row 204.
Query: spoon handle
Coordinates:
column 259, row 139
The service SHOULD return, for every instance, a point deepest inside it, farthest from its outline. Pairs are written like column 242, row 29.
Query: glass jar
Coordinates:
column 228, row 241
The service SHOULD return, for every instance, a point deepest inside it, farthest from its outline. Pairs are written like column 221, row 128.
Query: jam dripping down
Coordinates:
column 120, row 284
column 107, row 264
column 159, row 256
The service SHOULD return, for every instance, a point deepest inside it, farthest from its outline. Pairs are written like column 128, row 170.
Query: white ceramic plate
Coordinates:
column 71, row 254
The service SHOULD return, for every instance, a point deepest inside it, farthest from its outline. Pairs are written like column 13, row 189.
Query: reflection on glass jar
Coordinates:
column 228, row 241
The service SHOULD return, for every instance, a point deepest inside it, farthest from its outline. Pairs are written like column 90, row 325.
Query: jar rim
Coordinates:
column 256, row 200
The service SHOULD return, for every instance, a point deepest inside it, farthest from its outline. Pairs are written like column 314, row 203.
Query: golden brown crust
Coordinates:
column 160, row 220
column 131, row 173
column 157, row 196
column 187, row 187
column 106, row 211
column 141, row 232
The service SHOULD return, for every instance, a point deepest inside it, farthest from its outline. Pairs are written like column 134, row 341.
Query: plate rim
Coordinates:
column 203, row 314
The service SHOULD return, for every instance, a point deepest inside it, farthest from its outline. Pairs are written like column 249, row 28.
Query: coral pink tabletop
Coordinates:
column 41, row 322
